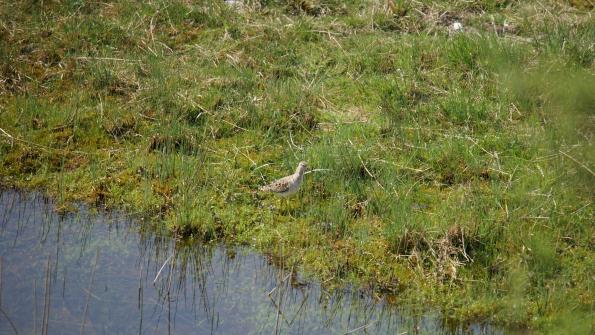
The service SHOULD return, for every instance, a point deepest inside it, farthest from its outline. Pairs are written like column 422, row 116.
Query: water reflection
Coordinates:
column 99, row 274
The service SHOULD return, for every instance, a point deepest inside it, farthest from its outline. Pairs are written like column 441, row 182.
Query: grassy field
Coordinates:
column 454, row 169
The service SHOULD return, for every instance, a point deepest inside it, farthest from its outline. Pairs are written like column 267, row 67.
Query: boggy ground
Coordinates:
column 456, row 168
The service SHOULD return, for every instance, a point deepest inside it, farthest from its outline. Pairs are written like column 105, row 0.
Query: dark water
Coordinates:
column 98, row 274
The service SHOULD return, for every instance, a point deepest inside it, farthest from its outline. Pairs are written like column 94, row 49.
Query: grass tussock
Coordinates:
column 455, row 167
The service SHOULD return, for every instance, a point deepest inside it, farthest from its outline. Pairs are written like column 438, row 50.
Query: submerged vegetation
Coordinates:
column 454, row 167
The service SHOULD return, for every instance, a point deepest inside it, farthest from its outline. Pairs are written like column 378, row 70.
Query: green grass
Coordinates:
column 456, row 169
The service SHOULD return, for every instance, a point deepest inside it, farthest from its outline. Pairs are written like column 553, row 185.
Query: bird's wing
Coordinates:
column 278, row 186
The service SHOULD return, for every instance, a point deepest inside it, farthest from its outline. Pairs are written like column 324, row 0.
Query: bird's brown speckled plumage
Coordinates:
column 287, row 186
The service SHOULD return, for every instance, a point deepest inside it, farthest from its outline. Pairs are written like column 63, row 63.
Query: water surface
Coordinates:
column 104, row 274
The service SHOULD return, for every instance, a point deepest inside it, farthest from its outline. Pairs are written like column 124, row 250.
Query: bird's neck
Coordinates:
column 299, row 172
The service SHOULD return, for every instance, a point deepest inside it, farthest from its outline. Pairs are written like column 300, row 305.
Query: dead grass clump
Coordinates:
column 357, row 209
column 320, row 190
column 51, row 58
column 99, row 192
column 304, row 119
column 121, row 127
column 307, row 7
column 451, row 253
column 446, row 19
column 37, row 123
column 11, row 80
column 115, row 84
column 75, row 162
column 582, row 4
column 63, row 136
column 165, row 191
column 409, row 242
column 437, row 257
column 394, row 17
column 123, row 88
column 170, row 143
column 455, row 235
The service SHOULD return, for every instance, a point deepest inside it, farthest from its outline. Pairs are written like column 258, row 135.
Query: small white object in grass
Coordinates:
column 457, row 27
column 233, row 2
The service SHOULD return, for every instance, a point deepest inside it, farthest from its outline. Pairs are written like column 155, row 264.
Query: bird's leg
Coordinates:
column 287, row 206
column 282, row 205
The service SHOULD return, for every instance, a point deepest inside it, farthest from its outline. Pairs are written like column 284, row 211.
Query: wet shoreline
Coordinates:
column 100, row 273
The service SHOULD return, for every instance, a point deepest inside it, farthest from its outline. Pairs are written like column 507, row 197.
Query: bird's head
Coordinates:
column 302, row 167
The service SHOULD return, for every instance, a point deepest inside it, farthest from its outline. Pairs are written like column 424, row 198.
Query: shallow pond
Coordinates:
column 102, row 274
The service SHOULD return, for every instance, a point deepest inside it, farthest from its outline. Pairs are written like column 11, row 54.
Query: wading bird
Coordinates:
column 289, row 185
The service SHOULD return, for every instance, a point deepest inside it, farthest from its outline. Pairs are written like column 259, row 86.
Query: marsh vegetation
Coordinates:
column 460, row 163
